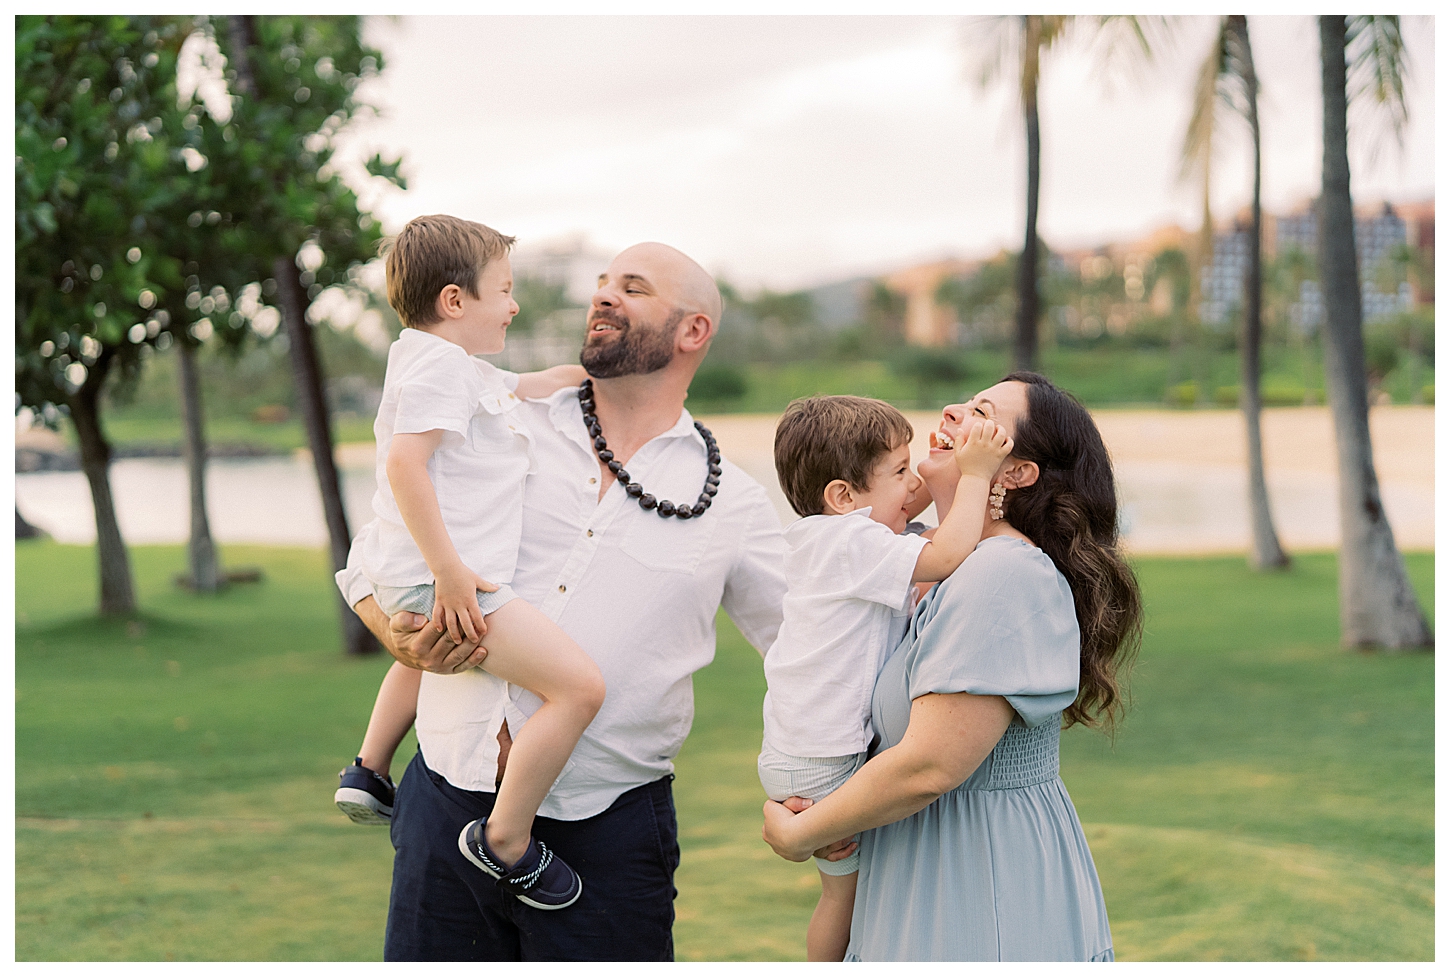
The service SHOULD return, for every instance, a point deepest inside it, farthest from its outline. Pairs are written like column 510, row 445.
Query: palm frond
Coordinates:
column 1197, row 154
column 994, row 48
column 1376, row 65
column 1124, row 45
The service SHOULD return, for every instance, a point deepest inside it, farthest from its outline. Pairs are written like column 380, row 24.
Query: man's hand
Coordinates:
column 418, row 646
column 410, row 642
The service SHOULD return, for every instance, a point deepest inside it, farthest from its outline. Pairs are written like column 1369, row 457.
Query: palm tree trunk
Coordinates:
column 201, row 552
column 118, row 597
column 1377, row 606
column 1203, row 261
column 307, row 380
column 1024, row 348
column 1266, row 553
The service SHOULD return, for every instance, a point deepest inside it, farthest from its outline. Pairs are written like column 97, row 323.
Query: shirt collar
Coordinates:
column 568, row 419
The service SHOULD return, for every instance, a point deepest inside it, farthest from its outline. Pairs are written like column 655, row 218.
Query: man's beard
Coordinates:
column 639, row 349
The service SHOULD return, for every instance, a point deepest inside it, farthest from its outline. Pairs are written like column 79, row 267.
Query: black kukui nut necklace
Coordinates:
column 634, row 490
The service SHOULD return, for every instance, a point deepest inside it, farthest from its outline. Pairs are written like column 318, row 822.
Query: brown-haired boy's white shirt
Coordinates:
column 638, row 592
column 848, row 605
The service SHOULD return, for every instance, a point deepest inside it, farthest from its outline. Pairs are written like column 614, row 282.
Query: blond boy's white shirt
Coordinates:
column 477, row 471
column 637, row 591
column 848, row 604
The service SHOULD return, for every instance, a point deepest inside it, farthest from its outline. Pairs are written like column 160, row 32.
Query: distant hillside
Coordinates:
column 840, row 304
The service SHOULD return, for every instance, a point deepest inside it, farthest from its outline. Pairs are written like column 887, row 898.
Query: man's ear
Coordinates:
column 450, row 302
column 694, row 332
column 839, row 497
column 1020, row 474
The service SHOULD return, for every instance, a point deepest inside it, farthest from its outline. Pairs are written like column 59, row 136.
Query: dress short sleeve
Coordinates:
column 1002, row 624
column 439, row 391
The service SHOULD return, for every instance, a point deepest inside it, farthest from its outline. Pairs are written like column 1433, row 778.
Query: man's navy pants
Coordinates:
column 445, row 908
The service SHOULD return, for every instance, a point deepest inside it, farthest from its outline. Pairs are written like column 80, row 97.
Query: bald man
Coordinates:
column 632, row 570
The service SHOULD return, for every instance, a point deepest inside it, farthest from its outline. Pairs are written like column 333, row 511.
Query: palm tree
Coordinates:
column 1377, row 606
column 1017, row 45
column 1228, row 78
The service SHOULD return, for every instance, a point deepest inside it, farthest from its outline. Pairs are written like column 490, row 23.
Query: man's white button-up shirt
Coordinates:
column 637, row 591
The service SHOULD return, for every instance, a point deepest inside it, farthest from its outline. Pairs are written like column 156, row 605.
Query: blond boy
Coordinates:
column 452, row 459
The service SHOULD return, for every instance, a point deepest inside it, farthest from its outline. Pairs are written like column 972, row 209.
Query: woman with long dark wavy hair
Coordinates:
column 970, row 847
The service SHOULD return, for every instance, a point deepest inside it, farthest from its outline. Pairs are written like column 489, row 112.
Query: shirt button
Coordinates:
column 593, row 480
column 562, row 588
column 588, row 532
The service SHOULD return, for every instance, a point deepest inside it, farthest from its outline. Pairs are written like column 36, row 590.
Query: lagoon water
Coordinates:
column 1180, row 475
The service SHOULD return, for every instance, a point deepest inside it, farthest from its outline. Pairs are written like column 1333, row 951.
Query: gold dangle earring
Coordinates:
column 995, row 499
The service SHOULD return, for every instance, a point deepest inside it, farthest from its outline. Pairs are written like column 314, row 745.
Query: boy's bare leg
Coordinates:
column 830, row 928
column 393, row 714
column 527, row 649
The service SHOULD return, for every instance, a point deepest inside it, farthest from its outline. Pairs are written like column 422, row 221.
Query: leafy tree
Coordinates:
column 983, row 301
column 932, row 370
column 537, row 299
column 791, row 311
column 97, row 177
column 294, row 82
column 1360, row 57
column 885, row 315
column 1228, row 79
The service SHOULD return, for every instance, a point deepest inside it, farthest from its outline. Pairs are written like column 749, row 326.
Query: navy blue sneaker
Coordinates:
column 364, row 795
column 540, row 879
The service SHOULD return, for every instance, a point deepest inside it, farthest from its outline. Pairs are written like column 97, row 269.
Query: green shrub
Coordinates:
column 1226, row 396
column 1182, row 394
column 1284, row 395
column 721, row 382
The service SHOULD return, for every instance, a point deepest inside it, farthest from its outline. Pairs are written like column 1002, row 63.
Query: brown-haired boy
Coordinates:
column 452, row 458
column 845, row 465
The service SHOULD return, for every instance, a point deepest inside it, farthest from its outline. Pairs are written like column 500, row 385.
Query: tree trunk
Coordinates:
column 1203, row 261
column 23, row 529
column 1024, row 348
column 1266, row 553
column 1377, row 605
column 307, row 380
column 201, row 552
column 118, row 597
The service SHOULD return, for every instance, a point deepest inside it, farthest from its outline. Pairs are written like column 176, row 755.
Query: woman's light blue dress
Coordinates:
column 997, row 869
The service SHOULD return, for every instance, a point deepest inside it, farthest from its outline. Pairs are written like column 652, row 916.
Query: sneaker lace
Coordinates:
column 545, row 857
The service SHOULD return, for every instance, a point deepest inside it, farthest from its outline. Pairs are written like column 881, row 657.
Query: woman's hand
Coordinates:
column 833, row 852
column 780, row 835
column 947, row 737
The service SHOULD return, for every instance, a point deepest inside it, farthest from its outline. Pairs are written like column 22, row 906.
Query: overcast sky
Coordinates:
column 793, row 151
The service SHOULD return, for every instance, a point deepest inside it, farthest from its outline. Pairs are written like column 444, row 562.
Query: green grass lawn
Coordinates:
column 1270, row 798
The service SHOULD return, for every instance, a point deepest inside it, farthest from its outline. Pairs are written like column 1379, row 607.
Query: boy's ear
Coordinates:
column 839, row 498
column 450, row 302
